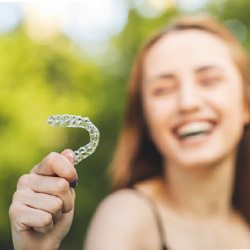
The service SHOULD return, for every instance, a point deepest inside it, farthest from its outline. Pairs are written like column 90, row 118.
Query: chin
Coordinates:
column 202, row 162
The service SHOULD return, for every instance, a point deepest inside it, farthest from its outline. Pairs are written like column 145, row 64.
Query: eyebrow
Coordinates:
column 207, row 67
column 172, row 76
column 160, row 76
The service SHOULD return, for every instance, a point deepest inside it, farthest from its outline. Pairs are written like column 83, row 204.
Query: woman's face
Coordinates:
column 193, row 98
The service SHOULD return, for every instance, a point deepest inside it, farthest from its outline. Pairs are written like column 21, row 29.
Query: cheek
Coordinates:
column 158, row 113
column 159, row 118
column 229, row 105
column 230, row 101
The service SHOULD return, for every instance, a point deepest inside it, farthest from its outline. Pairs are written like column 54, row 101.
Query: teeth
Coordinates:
column 194, row 128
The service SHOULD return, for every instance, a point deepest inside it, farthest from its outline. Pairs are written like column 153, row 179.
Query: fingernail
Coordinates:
column 74, row 183
column 70, row 156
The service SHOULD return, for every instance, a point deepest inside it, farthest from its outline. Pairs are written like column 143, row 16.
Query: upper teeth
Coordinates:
column 194, row 128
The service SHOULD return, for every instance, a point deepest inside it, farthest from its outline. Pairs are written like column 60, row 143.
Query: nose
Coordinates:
column 189, row 98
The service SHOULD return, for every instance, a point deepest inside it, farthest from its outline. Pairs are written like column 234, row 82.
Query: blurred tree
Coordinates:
column 235, row 15
column 36, row 80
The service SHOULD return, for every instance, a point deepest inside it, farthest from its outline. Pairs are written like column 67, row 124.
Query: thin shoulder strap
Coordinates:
column 156, row 216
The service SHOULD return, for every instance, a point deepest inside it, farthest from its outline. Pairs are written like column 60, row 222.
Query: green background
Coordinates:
column 39, row 79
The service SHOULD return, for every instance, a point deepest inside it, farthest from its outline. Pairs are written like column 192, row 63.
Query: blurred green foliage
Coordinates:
column 40, row 79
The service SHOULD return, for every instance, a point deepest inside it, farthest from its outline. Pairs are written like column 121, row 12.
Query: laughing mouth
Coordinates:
column 194, row 129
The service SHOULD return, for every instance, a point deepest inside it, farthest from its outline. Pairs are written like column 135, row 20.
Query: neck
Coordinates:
column 202, row 191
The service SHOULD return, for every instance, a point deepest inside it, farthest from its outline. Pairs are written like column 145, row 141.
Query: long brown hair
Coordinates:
column 137, row 158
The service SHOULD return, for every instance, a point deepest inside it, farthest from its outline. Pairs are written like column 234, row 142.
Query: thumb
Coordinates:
column 56, row 164
column 69, row 155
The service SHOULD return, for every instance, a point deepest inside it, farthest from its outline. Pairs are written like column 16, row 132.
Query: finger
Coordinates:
column 44, row 229
column 48, row 203
column 69, row 154
column 53, row 186
column 56, row 164
column 24, row 218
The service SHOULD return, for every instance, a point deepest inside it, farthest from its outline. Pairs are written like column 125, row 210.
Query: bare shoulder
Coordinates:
column 154, row 188
column 123, row 198
column 124, row 205
column 127, row 202
column 122, row 218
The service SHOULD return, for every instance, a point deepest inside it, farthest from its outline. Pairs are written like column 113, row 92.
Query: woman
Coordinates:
column 180, row 172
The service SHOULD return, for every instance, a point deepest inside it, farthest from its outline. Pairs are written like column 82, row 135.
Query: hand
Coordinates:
column 42, row 207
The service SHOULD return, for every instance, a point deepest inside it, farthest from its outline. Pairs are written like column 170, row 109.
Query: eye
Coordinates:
column 163, row 87
column 210, row 80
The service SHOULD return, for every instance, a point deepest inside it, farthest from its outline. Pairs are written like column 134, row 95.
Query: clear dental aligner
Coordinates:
column 74, row 121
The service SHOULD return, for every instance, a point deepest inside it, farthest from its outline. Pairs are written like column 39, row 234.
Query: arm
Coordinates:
column 121, row 223
column 42, row 207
